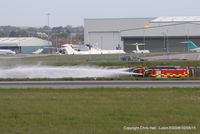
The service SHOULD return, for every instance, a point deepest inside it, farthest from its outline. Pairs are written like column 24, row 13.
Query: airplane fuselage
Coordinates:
column 70, row 51
column 195, row 50
column 6, row 52
column 141, row 51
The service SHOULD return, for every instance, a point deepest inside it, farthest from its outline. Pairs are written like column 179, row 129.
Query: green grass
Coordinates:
column 56, row 59
column 98, row 111
column 65, row 60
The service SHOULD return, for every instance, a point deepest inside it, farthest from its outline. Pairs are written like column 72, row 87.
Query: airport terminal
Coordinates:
column 162, row 34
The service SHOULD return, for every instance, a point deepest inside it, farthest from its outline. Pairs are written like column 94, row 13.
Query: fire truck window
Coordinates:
column 147, row 73
column 142, row 70
column 190, row 72
column 158, row 72
column 137, row 71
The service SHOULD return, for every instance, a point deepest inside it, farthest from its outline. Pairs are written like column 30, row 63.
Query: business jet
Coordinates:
column 192, row 47
column 6, row 51
column 39, row 51
column 69, row 50
column 138, row 51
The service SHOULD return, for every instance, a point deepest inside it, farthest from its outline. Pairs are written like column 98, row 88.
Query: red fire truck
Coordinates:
column 163, row 72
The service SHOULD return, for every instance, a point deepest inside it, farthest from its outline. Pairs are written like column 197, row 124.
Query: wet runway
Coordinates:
column 98, row 84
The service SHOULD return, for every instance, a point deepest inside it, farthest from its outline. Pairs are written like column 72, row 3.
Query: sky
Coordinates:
column 73, row 12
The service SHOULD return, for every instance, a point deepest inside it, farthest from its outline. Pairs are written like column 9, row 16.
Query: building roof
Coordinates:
column 182, row 29
column 176, row 19
column 114, row 24
column 13, row 40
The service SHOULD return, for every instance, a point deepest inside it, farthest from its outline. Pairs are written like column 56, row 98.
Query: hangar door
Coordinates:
column 105, row 40
column 159, row 44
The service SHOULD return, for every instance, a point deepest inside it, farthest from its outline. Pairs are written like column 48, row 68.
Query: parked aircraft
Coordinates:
column 138, row 51
column 39, row 51
column 68, row 48
column 7, row 51
column 192, row 47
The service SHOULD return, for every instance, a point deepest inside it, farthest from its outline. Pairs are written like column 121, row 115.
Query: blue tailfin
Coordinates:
column 191, row 45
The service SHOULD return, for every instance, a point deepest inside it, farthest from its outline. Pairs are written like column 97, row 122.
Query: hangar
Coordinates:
column 24, row 45
column 161, row 34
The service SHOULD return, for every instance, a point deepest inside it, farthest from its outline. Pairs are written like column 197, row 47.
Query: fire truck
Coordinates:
column 162, row 72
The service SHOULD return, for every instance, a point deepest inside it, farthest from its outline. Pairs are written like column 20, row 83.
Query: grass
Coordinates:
column 65, row 60
column 62, row 60
column 98, row 111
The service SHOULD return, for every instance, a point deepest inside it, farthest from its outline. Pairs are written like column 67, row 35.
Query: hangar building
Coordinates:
column 162, row 34
column 24, row 45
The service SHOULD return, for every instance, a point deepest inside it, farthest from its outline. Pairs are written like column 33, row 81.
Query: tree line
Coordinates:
column 59, row 35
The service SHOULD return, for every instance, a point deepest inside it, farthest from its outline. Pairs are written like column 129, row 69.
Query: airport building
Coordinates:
column 25, row 45
column 162, row 34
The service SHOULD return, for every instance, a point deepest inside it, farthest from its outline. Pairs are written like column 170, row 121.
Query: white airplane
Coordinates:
column 68, row 48
column 39, row 51
column 192, row 47
column 138, row 51
column 7, row 51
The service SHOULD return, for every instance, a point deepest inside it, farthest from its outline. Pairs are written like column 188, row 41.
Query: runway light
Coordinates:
column 146, row 26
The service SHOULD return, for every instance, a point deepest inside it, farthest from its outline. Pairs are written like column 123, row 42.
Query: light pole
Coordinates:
column 145, row 27
column 144, row 39
column 164, row 45
column 101, row 44
column 167, row 42
column 48, row 19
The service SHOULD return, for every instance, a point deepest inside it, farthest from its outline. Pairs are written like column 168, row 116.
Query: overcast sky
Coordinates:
column 73, row 12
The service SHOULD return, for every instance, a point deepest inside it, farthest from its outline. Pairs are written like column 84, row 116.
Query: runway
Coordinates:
column 187, row 56
column 97, row 84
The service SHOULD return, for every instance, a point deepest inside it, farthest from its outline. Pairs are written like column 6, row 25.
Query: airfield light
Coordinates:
column 146, row 26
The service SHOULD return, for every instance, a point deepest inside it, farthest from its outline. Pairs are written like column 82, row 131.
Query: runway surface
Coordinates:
column 99, row 84
column 187, row 56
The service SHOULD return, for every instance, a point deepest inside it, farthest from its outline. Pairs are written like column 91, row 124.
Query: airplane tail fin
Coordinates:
column 69, row 49
column 38, row 51
column 137, row 48
column 190, row 44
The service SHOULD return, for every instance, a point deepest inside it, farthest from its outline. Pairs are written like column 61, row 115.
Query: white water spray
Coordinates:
column 61, row 72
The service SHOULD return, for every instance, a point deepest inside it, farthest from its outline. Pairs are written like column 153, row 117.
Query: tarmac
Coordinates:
column 185, row 56
column 99, row 84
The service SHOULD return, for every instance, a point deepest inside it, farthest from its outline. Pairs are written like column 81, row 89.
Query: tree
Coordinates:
column 13, row 34
column 20, row 33
column 79, row 37
column 2, row 35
